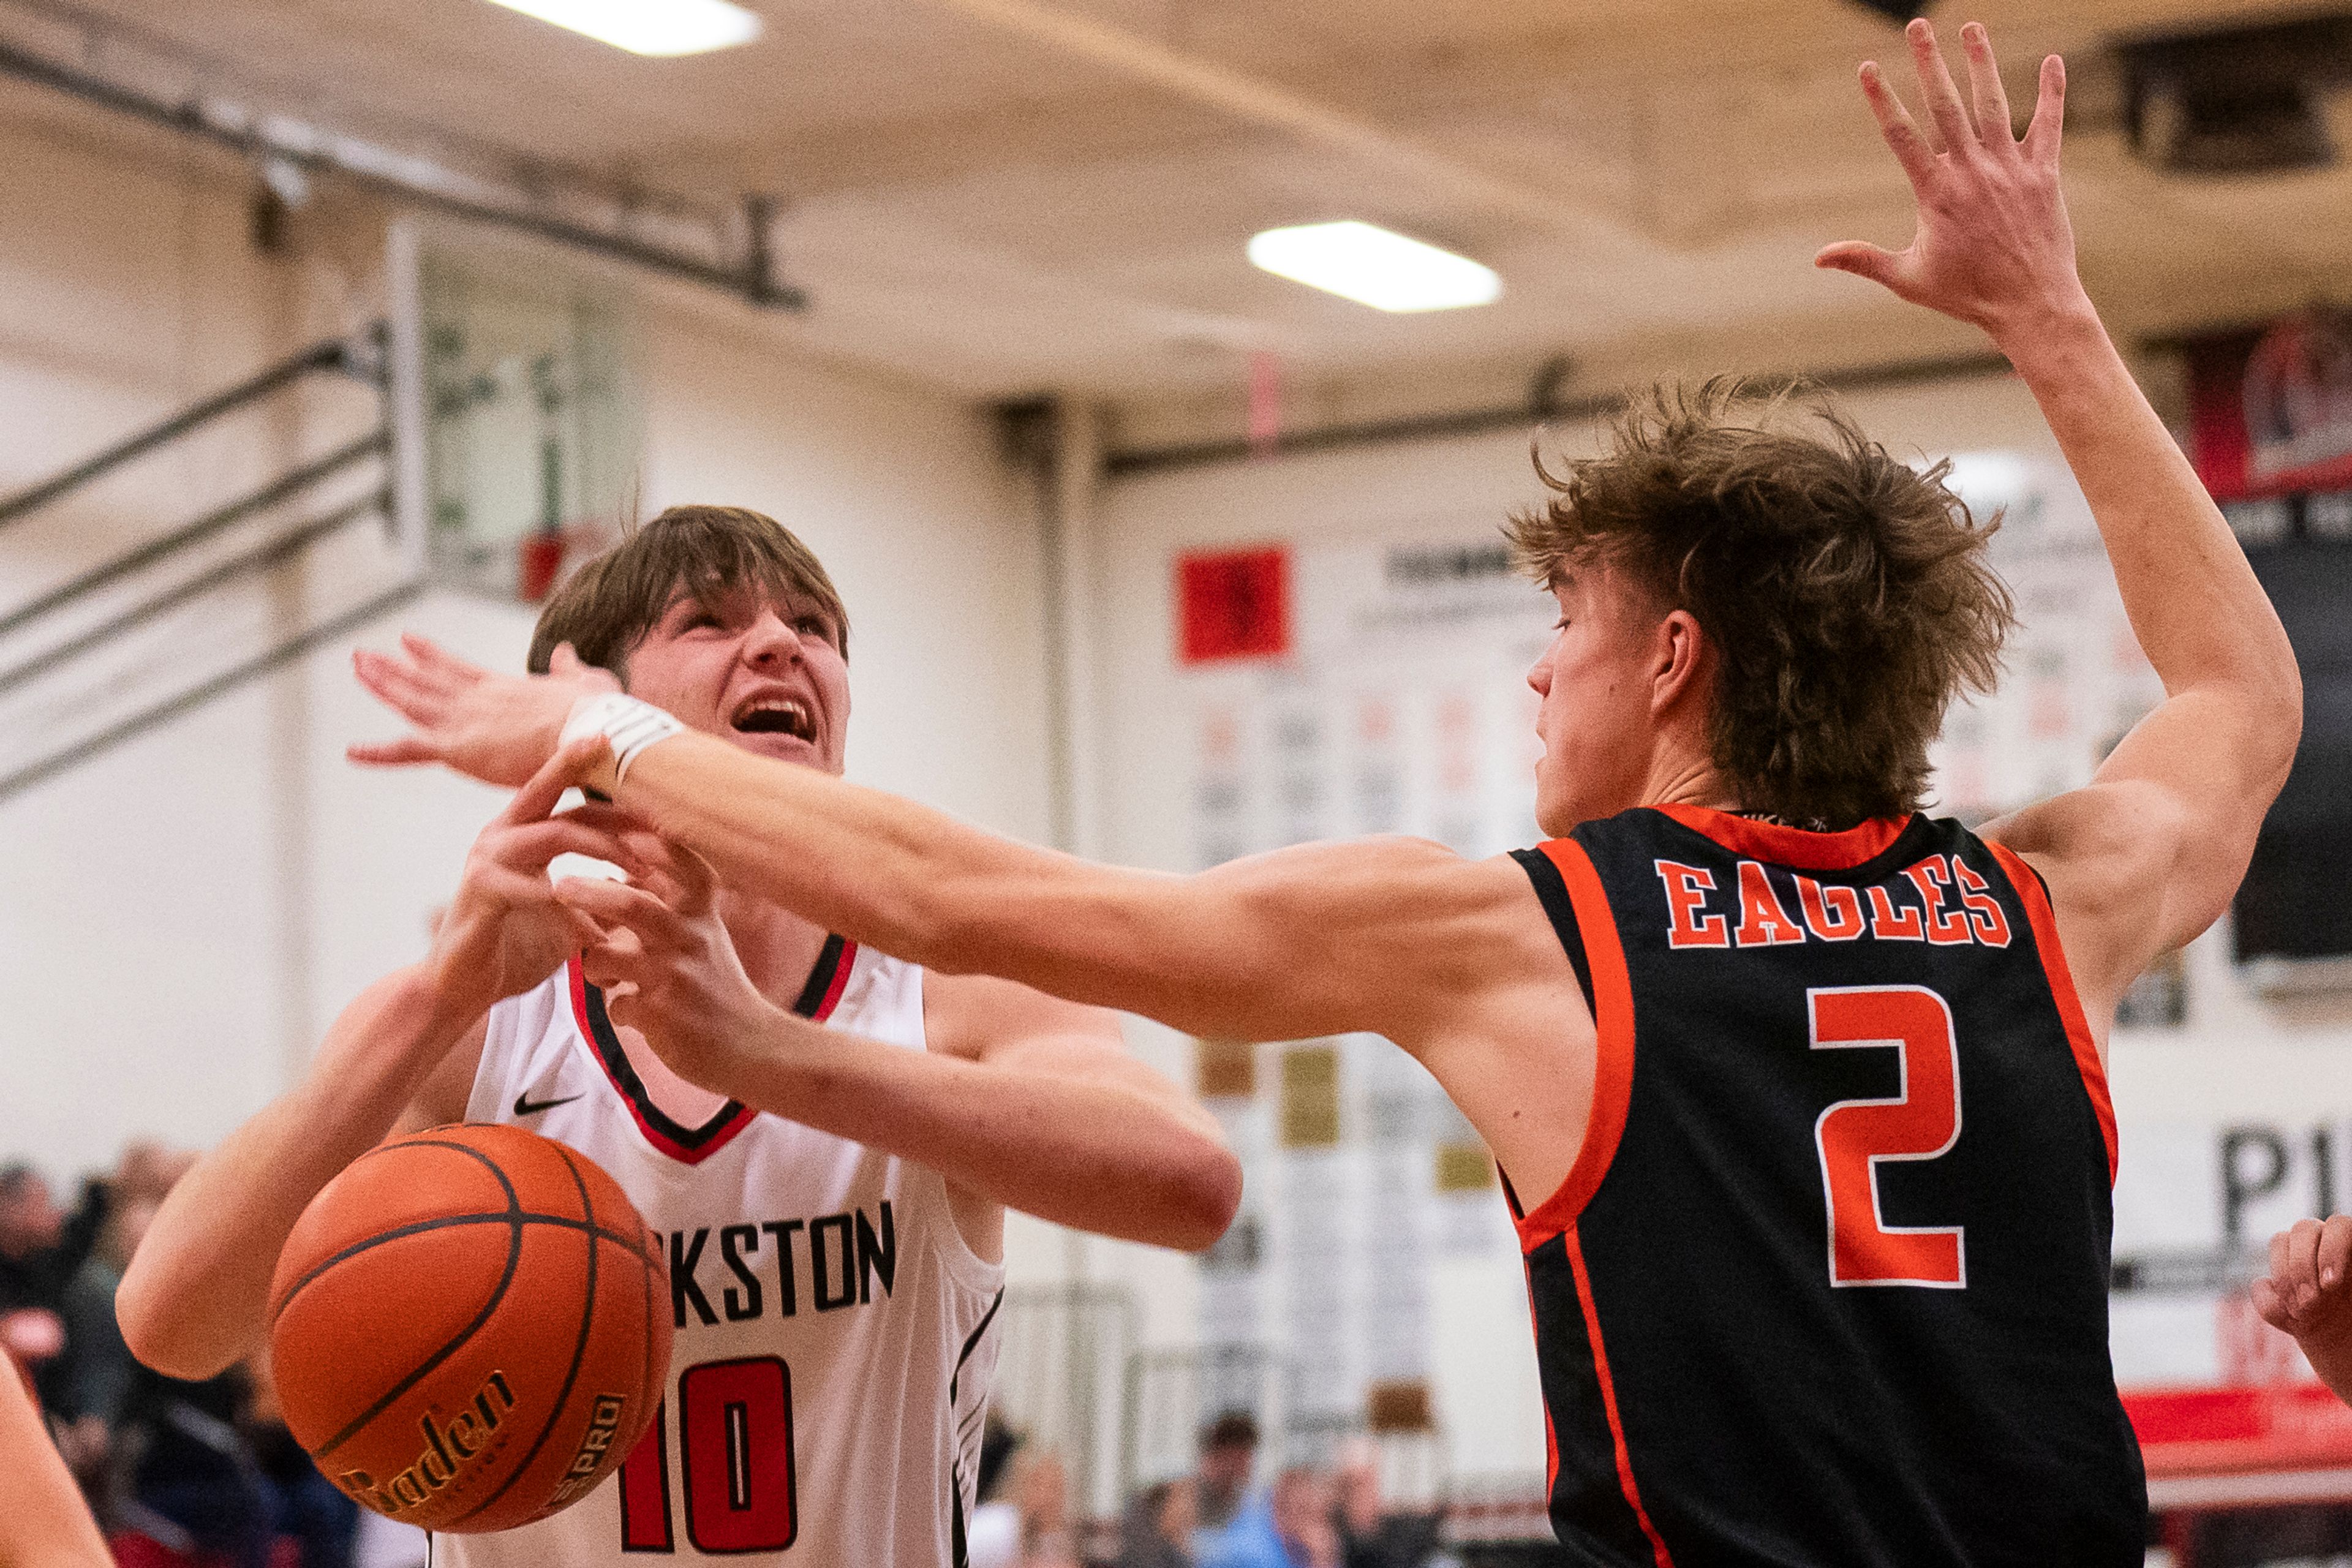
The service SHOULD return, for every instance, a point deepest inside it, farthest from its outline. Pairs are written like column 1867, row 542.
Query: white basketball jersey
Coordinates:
column 835, row 1334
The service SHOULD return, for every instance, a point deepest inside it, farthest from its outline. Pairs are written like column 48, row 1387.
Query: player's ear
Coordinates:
column 1682, row 656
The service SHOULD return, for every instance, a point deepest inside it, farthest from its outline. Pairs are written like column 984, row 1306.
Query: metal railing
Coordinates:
column 291, row 514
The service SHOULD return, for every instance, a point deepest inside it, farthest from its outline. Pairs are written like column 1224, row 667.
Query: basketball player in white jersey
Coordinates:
column 831, row 1184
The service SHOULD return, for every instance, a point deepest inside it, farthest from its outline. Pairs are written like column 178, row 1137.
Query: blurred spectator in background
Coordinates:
column 1237, row 1524
column 992, row 1535
column 191, row 1486
column 1228, row 1454
column 1157, row 1529
column 1301, row 1510
column 1371, row 1536
column 305, row 1508
column 1024, row 1519
column 1041, row 1490
column 89, row 1379
column 41, row 1247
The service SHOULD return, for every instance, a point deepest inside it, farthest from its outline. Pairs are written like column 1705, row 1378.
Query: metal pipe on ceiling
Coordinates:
column 415, row 180
column 1542, row 407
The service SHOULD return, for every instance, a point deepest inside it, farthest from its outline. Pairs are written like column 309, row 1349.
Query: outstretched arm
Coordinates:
column 2149, row 854
column 1451, row 959
column 1388, row 935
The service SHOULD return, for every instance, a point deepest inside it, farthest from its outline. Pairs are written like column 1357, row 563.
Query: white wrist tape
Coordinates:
column 627, row 725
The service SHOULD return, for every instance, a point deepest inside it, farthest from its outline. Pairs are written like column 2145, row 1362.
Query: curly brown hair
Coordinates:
column 1848, row 596
column 710, row 551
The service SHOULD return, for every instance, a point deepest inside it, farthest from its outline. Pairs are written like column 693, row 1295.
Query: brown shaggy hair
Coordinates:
column 1849, row 596
column 708, row 551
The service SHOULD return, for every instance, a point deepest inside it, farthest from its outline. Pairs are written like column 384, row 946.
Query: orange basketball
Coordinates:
column 471, row 1328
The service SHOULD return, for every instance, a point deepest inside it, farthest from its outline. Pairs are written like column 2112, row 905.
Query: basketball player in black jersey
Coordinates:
column 1803, row 1093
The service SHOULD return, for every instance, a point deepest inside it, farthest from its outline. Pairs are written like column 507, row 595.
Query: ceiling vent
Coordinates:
column 1896, row 10
column 2241, row 100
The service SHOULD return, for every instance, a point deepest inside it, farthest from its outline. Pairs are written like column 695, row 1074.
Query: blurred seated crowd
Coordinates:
column 205, row 1475
column 180, row 1475
column 1220, row 1516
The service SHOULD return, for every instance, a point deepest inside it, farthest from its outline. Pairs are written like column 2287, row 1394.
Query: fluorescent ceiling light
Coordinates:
column 1372, row 266
column 648, row 27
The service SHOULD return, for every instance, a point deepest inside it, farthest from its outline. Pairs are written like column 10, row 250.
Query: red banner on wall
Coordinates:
column 2270, row 407
column 1232, row 603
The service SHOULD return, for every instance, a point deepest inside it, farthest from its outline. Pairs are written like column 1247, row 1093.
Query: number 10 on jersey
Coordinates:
column 735, row 1452
column 1922, row 1122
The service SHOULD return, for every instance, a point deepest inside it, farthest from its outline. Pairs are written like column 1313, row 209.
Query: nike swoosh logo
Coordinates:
column 526, row 1106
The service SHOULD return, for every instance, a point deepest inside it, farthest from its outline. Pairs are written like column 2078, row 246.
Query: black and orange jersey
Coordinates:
column 1827, row 1282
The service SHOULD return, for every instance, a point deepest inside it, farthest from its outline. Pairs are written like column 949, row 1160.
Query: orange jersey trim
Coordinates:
column 1658, row 1552
column 2044, row 922
column 1612, row 1024
column 1791, row 846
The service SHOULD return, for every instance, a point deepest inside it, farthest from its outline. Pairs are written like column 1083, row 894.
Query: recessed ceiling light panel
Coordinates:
column 648, row 27
column 1373, row 265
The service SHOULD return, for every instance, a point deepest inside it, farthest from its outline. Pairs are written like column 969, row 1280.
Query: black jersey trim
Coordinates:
column 823, row 988
column 1552, row 893
column 816, row 1001
column 971, row 1340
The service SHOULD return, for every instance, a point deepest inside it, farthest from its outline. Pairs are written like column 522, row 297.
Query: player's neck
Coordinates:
column 779, row 949
column 1688, row 781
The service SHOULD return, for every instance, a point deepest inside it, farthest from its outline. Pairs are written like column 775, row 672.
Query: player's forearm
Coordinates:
column 1095, row 1156
column 44, row 1522
column 921, row 886
column 194, row 1298
column 1298, row 943
column 2199, row 614
column 881, row 871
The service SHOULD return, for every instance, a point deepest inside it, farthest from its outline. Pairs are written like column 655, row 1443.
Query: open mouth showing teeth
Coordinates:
column 775, row 716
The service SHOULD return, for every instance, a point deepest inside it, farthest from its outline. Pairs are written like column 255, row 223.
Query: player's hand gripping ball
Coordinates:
column 471, row 1328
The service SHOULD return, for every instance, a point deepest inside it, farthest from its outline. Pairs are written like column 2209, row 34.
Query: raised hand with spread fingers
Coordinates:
column 496, row 728
column 1993, row 245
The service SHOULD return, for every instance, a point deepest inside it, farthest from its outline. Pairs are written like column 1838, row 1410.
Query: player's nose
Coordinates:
column 769, row 642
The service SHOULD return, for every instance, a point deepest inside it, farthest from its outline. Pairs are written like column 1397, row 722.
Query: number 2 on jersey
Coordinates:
column 735, row 1450
column 1922, row 1122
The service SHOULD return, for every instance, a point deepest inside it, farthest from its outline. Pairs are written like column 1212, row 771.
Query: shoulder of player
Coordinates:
column 2108, row 854
column 1463, row 939
column 2100, row 849
column 1388, row 880
column 969, row 1016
